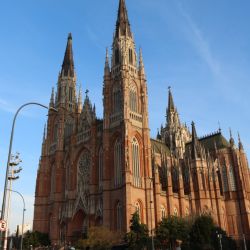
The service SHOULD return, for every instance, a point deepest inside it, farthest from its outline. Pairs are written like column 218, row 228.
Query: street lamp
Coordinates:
column 9, row 155
column 219, row 237
column 24, row 209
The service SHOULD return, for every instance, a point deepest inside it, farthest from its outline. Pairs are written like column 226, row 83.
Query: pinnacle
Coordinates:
column 68, row 61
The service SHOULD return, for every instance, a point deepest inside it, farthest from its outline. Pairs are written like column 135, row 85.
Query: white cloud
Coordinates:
column 200, row 43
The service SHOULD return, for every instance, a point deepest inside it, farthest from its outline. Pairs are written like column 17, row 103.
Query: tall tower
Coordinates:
column 175, row 135
column 126, row 139
column 50, row 184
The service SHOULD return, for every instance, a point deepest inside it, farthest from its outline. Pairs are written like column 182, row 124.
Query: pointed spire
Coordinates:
column 231, row 141
column 158, row 137
column 52, row 98
column 141, row 64
column 122, row 23
column 44, row 132
column 170, row 100
column 240, row 143
column 194, row 142
column 107, row 68
column 68, row 61
column 79, row 99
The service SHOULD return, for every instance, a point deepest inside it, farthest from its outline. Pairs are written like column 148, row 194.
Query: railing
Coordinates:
column 135, row 116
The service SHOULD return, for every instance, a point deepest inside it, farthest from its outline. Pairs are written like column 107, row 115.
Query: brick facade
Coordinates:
column 99, row 171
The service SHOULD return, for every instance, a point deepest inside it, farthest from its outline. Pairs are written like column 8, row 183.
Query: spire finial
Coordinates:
column 240, row 143
column 44, row 132
column 68, row 62
column 141, row 64
column 194, row 142
column 170, row 100
column 219, row 127
column 231, row 138
column 52, row 98
column 79, row 99
column 122, row 23
column 87, row 92
column 107, row 68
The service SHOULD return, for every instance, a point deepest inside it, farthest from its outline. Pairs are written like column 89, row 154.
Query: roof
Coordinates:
column 209, row 141
column 159, row 147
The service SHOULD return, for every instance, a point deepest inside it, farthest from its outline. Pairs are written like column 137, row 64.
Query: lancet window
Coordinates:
column 118, row 163
column 136, row 163
column 119, row 216
column 232, row 179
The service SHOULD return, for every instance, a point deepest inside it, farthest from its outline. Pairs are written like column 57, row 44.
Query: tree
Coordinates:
column 227, row 242
column 170, row 230
column 201, row 231
column 99, row 238
column 138, row 236
column 35, row 239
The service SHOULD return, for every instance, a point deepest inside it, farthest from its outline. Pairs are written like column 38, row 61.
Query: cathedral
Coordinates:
column 98, row 172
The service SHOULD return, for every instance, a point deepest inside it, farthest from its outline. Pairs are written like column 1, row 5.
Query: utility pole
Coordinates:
column 14, row 163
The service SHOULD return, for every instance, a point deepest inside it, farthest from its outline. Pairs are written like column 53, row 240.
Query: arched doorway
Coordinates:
column 77, row 228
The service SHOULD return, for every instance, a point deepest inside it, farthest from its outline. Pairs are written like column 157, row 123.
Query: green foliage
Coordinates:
column 197, row 233
column 35, row 239
column 170, row 230
column 138, row 236
column 201, row 231
column 99, row 238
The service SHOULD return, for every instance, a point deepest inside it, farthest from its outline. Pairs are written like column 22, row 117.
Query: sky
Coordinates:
column 199, row 48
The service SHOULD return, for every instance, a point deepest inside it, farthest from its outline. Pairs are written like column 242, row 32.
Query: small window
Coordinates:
column 70, row 94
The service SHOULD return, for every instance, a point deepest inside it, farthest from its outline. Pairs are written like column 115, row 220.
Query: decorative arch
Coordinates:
column 175, row 211
column 163, row 212
column 139, row 209
column 136, row 166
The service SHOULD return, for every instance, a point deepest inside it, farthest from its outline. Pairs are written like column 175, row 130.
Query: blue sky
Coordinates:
column 200, row 48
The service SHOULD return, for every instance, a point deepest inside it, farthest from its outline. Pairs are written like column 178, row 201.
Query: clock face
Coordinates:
column 84, row 164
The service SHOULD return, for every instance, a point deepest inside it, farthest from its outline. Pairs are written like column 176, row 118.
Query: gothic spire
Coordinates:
column 107, row 68
column 79, row 101
column 170, row 100
column 141, row 64
column 231, row 141
column 240, row 143
column 68, row 61
column 52, row 99
column 194, row 142
column 122, row 23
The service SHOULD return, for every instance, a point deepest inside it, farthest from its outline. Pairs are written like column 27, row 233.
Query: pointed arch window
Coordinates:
column 133, row 99
column 136, row 163
column 163, row 212
column 138, row 210
column 117, row 102
column 118, row 163
column 232, row 179
column 225, row 180
column 100, row 167
column 119, row 216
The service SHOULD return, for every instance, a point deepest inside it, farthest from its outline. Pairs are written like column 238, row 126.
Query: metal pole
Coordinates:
column 9, row 155
column 21, row 245
column 244, row 239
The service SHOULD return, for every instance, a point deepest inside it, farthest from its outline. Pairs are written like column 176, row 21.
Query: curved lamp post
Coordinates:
column 24, row 209
column 10, row 149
